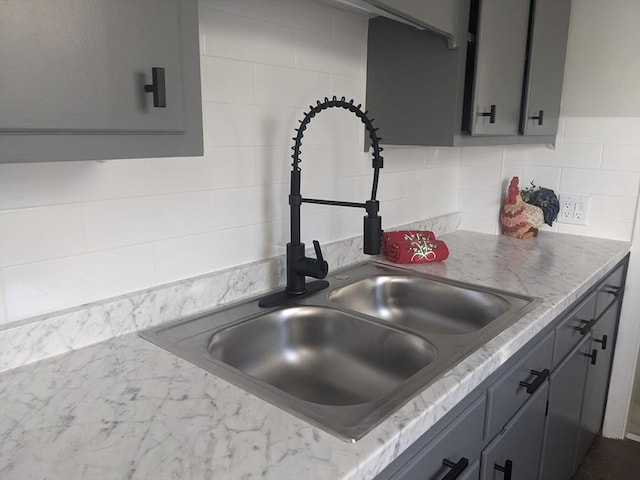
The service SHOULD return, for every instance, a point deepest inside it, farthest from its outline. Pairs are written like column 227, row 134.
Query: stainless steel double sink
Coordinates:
column 347, row 357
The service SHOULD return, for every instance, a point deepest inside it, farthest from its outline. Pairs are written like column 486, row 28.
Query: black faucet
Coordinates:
column 299, row 266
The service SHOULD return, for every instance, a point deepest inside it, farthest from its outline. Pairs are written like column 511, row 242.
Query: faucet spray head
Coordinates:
column 372, row 229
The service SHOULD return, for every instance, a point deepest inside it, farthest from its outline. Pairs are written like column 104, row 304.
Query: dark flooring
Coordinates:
column 609, row 459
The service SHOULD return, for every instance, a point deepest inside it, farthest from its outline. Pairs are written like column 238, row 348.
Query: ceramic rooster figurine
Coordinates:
column 520, row 219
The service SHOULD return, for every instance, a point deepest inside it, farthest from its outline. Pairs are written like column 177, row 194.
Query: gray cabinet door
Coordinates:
column 518, row 446
column 563, row 418
column 460, row 441
column 472, row 472
column 597, row 381
column 72, row 83
column 500, row 64
column 82, row 66
column 547, row 47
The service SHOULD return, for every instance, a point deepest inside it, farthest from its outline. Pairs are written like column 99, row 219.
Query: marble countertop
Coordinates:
column 125, row 408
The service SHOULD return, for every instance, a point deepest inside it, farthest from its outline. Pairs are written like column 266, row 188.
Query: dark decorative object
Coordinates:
column 544, row 198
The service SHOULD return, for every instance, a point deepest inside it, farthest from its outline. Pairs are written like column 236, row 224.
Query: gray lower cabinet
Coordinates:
column 471, row 473
column 534, row 418
column 597, row 380
column 515, row 452
column 514, row 389
column 453, row 454
column 563, row 418
column 99, row 79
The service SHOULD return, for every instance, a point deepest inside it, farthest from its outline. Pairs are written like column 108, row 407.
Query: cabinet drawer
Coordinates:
column 462, row 439
column 609, row 290
column 518, row 447
column 573, row 328
column 508, row 394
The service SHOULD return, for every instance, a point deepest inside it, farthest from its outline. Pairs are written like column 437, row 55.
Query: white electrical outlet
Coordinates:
column 574, row 209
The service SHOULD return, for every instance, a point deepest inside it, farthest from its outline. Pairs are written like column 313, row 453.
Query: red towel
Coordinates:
column 413, row 246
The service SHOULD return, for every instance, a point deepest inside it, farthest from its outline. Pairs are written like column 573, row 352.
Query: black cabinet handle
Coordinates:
column 602, row 341
column 491, row 114
column 535, row 385
column 587, row 324
column 508, row 467
column 157, row 87
column 456, row 468
column 593, row 356
column 612, row 290
column 539, row 117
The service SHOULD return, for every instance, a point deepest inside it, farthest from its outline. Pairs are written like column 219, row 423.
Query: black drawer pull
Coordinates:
column 539, row 117
column 611, row 290
column 535, row 385
column 586, row 325
column 602, row 341
column 491, row 114
column 456, row 468
column 508, row 466
column 593, row 356
column 157, row 87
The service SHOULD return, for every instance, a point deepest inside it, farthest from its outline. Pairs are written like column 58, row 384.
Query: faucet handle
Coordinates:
column 318, row 267
column 316, row 247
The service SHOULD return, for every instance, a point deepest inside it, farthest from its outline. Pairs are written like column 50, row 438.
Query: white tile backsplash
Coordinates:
column 613, row 208
column 249, row 125
column 288, row 86
column 40, row 184
column 621, row 157
column 351, row 88
column 565, row 155
column 226, row 81
column 130, row 221
column 548, row 177
column 607, row 131
column 482, row 156
column 323, row 53
column 243, row 38
column 22, row 232
column 486, row 179
column 35, row 288
column 599, row 228
column 475, row 201
column 601, row 182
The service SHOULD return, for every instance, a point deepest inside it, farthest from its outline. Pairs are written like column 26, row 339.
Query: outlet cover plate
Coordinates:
column 574, row 209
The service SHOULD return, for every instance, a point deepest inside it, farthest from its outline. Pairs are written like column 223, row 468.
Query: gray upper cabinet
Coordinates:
column 500, row 61
column 99, row 79
column 439, row 16
column 489, row 90
column 543, row 88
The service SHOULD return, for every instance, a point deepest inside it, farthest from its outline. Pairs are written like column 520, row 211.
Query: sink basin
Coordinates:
column 423, row 303
column 322, row 355
column 346, row 357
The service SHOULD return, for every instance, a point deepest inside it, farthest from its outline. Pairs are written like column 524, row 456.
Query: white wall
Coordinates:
column 602, row 72
column 75, row 232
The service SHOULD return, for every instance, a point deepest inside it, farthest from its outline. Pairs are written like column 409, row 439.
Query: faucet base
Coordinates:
column 282, row 297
